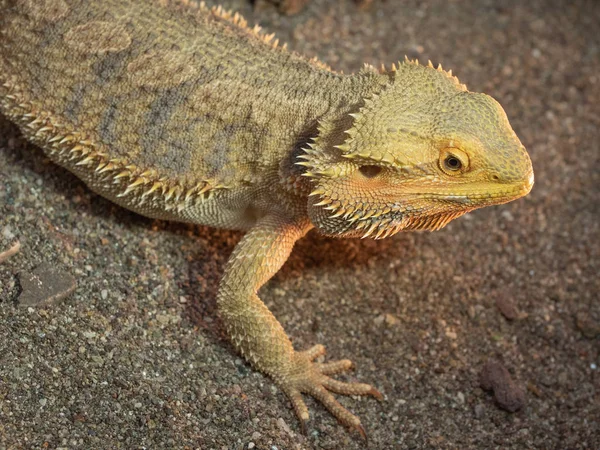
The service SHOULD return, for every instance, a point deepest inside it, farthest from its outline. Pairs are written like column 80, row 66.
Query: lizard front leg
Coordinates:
column 260, row 338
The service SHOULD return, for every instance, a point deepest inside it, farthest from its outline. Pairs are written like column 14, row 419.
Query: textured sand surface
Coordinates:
column 136, row 356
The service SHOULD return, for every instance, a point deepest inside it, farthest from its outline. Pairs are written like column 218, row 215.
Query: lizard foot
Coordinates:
column 308, row 377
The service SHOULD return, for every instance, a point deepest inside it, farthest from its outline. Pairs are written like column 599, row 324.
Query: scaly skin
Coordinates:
column 183, row 113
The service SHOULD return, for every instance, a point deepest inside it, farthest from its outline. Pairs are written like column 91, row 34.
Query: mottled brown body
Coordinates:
column 179, row 112
column 172, row 100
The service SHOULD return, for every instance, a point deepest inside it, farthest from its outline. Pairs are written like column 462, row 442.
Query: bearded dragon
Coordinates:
column 182, row 112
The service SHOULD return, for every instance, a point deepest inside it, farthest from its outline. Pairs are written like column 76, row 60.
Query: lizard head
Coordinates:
column 420, row 153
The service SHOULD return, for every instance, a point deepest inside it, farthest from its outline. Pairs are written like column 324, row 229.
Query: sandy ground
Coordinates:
column 136, row 356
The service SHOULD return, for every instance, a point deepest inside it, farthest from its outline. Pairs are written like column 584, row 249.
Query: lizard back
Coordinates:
column 171, row 97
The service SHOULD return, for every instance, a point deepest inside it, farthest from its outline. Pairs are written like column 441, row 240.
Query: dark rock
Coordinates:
column 494, row 377
column 508, row 308
column 589, row 327
column 45, row 285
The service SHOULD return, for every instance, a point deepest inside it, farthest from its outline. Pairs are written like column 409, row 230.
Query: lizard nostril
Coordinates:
column 495, row 177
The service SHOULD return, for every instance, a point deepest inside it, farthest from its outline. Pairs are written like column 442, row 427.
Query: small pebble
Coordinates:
column 7, row 233
column 507, row 307
column 495, row 377
column 585, row 323
column 479, row 411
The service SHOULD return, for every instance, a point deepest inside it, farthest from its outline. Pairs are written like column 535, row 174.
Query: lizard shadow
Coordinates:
column 204, row 269
column 314, row 252
column 317, row 251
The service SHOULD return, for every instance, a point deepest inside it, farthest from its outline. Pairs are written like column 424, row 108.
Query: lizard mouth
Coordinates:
column 409, row 208
column 430, row 211
column 494, row 194
column 438, row 218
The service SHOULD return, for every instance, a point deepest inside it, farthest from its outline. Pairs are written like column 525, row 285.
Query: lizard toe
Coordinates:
column 335, row 367
column 300, row 408
column 340, row 387
column 344, row 416
column 308, row 377
column 314, row 352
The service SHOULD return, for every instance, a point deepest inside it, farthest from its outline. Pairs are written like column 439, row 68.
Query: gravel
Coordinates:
column 123, row 362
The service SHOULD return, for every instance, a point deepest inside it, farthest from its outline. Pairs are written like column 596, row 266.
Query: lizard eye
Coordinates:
column 453, row 161
column 369, row 171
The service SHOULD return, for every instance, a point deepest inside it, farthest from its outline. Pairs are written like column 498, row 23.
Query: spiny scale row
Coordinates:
column 231, row 16
column 373, row 221
column 238, row 20
column 78, row 150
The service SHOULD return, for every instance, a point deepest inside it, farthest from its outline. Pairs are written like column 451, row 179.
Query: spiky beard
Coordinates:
column 361, row 219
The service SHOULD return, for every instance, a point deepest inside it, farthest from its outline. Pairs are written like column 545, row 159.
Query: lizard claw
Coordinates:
column 363, row 433
column 307, row 377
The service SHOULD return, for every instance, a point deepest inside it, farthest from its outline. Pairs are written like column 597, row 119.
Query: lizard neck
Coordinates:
column 335, row 98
